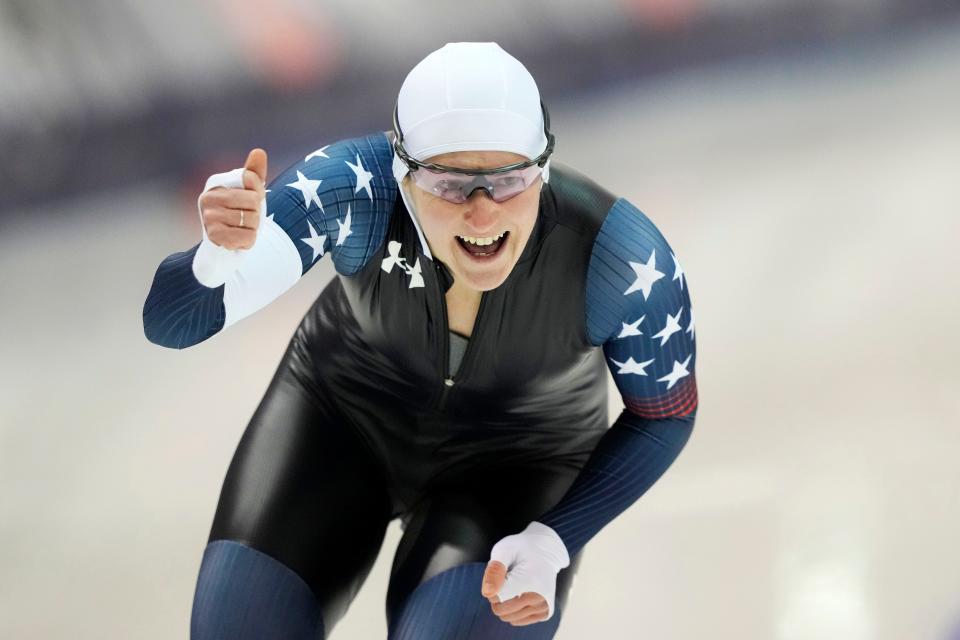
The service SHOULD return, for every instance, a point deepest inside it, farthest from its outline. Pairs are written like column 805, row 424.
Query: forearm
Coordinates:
column 629, row 458
column 179, row 311
column 199, row 292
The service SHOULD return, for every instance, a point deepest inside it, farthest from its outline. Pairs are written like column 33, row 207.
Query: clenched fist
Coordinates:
column 231, row 216
column 521, row 578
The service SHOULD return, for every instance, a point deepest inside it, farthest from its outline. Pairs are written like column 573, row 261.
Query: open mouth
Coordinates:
column 483, row 248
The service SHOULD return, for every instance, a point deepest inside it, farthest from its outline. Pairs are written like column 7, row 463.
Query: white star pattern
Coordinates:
column 319, row 153
column 631, row 366
column 672, row 326
column 677, row 270
column 691, row 328
column 316, row 242
column 363, row 176
column 632, row 329
column 344, row 228
column 309, row 190
column 679, row 371
column 647, row 274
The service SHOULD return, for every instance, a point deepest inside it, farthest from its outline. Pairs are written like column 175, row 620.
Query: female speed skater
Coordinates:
column 453, row 374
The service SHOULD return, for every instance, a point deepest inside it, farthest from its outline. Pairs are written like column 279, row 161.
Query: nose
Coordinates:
column 483, row 213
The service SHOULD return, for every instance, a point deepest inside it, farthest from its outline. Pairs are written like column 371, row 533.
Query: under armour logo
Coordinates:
column 395, row 259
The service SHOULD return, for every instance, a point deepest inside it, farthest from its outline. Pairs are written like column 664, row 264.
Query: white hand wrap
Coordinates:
column 532, row 557
column 213, row 264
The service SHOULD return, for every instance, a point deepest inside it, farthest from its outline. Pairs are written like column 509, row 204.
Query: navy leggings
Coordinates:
column 302, row 516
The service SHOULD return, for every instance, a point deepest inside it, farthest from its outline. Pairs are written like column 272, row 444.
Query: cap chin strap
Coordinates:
column 400, row 170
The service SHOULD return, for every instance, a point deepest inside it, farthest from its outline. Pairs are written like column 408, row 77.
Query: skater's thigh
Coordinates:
column 460, row 521
column 303, row 488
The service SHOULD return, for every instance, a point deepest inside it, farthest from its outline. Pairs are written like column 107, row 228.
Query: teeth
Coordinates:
column 481, row 242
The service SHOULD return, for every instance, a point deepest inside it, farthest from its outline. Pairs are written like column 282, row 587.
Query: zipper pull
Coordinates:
column 449, row 382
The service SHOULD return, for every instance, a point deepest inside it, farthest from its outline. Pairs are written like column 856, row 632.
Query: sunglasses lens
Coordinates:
column 457, row 187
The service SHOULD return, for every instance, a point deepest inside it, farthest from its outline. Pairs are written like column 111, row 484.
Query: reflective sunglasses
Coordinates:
column 456, row 185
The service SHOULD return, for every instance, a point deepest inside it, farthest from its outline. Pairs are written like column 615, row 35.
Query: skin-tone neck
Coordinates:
column 442, row 222
column 463, row 304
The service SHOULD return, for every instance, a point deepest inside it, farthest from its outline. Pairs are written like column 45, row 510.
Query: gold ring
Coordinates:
column 241, row 217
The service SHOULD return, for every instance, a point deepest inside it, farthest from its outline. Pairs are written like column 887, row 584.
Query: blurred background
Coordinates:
column 800, row 157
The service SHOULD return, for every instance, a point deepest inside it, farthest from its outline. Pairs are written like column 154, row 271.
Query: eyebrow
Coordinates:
column 476, row 165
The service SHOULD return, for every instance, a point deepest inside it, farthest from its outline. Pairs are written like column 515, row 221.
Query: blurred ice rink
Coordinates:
column 815, row 205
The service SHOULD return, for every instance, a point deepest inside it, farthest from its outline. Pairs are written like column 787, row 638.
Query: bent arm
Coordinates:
column 630, row 457
column 336, row 200
column 179, row 311
column 638, row 309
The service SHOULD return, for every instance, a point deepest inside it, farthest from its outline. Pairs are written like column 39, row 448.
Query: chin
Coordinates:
column 484, row 282
column 482, row 279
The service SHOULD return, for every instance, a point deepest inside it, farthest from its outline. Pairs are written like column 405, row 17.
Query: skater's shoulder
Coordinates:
column 575, row 200
column 339, row 197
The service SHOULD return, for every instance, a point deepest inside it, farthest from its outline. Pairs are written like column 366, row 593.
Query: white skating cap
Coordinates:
column 469, row 96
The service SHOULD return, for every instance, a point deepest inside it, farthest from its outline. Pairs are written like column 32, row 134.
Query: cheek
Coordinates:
column 436, row 225
column 431, row 218
column 430, row 223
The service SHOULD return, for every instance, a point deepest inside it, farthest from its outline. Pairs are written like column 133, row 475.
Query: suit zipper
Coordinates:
column 471, row 347
column 448, row 380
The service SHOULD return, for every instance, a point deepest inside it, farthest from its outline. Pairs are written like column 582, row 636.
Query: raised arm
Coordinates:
column 337, row 199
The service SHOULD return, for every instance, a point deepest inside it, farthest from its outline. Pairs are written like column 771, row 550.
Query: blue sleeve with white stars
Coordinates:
column 638, row 310
column 337, row 200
